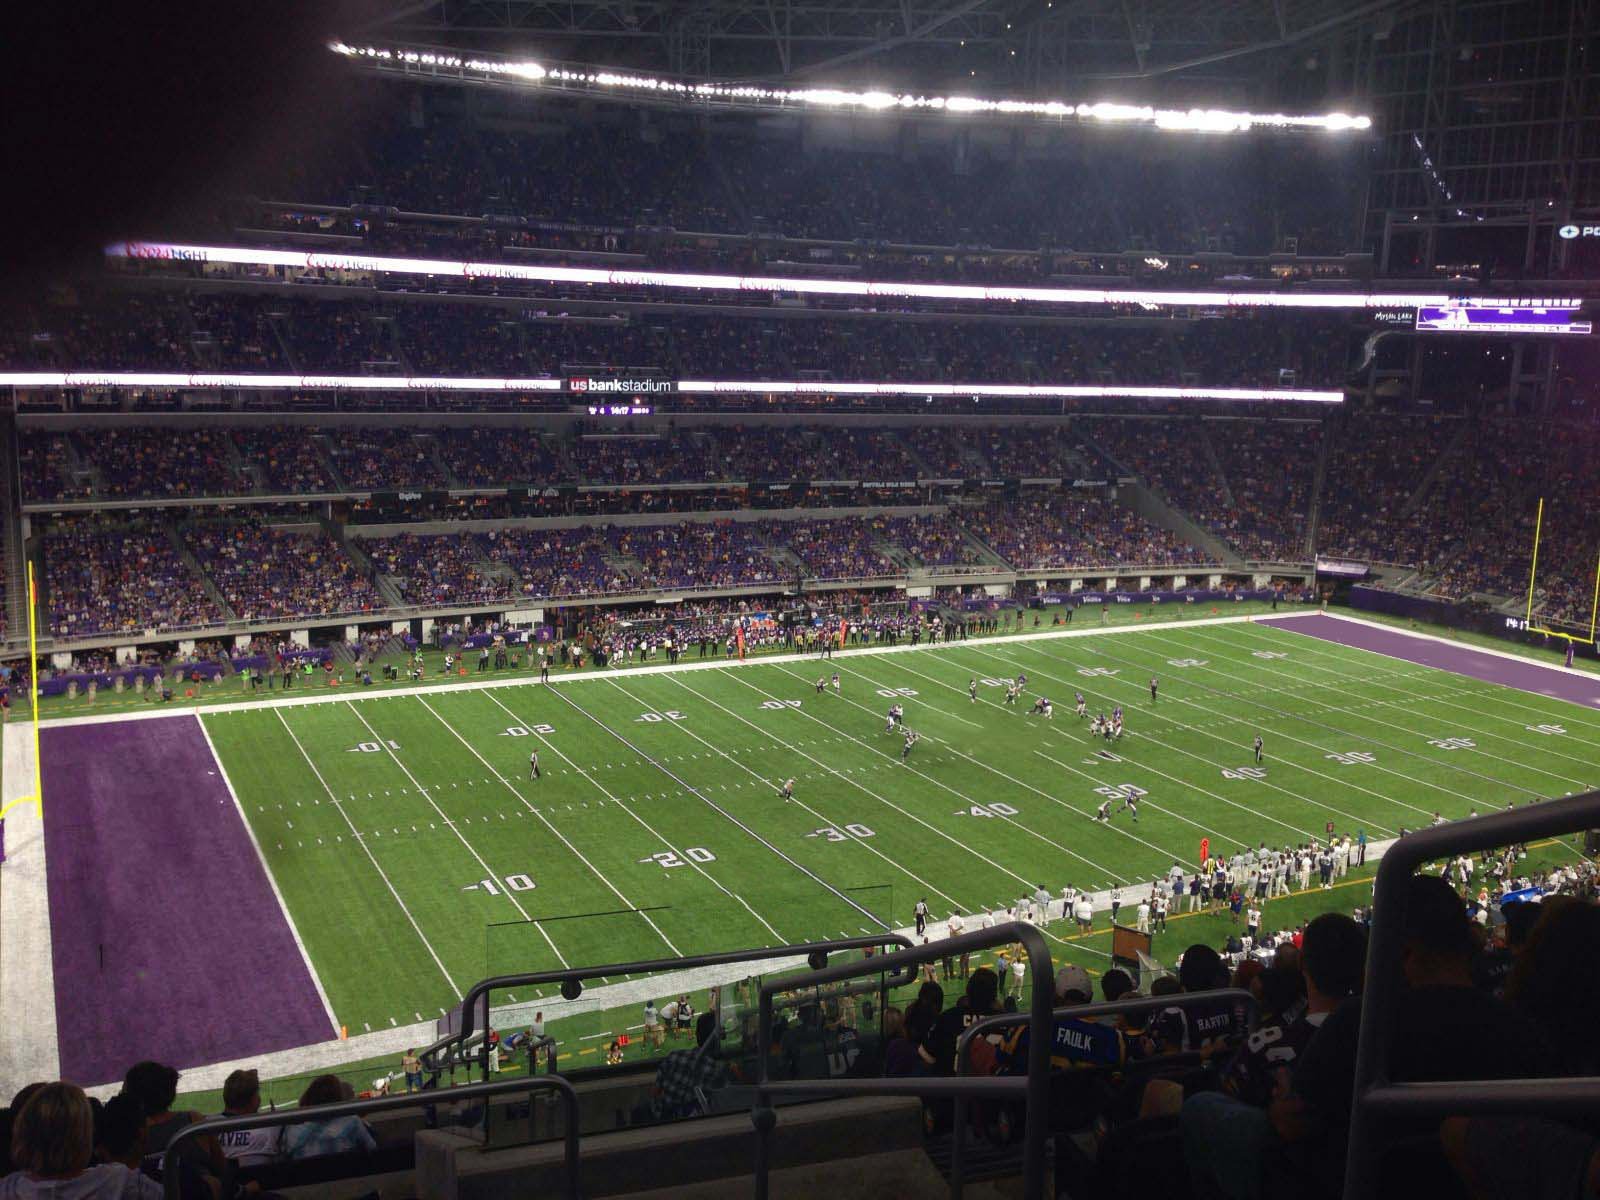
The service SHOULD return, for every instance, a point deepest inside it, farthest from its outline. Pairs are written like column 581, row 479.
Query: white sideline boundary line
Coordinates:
column 30, row 1048
column 346, row 694
column 1454, row 645
column 272, row 881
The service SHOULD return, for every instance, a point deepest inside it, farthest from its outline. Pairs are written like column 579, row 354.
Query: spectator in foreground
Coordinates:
column 685, row 1078
column 155, row 1086
column 52, row 1139
column 341, row 1135
column 1223, row 1129
column 1553, row 984
column 241, row 1096
column 8, row 1116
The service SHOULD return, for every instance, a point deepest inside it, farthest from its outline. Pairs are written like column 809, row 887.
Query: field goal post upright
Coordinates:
column 1533, row 576
column 36, row 797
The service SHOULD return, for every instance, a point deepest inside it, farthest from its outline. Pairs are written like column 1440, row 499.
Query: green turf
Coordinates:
column 394, row 935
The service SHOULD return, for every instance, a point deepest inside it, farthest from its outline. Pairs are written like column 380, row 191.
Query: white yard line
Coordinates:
column 1312, row 647
column 965, row 799
column 362, row 842
column 451, row 825
column 30, row 1048
column 715, row 807
column 1443, row 641
column 1134, row 765
column 1319, row 805
column 598, row 874
column 1404, row 706
column 1276, row 716
column 277, row 893
column 831, row 822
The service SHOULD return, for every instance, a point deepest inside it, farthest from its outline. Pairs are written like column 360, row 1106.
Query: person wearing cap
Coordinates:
column 241, row 1096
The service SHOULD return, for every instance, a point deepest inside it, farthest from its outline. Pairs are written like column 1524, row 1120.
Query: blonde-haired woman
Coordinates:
column 52, row 1139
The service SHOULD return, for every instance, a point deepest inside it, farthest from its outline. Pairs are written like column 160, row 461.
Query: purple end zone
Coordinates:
column 1578, row 687
column 150, row 864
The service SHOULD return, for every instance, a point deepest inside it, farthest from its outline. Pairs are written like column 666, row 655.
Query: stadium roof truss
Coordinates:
column 1018, row 43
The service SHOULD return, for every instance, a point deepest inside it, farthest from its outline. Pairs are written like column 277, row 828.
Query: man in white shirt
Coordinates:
column 241, row 1096
column 953, row 928
column 1041, row 907
column 1143, row 921
column 1252, row 921
column 669, row 1017
column 1069, row 897
column 1160, row 914
column 1083, row 911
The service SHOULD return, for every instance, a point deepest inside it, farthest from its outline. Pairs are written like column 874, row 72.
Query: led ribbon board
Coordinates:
column 1001, row 294
column 133, row 380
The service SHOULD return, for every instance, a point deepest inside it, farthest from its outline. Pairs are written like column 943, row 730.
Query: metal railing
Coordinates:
column 1076, row 1012
column 450, row 1045
column 172, row 1180
column 1376, row 1097
column 1033, row 1088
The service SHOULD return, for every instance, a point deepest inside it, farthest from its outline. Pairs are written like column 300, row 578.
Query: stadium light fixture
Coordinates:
column 581, row 388
column 1001, row 294
column 622, row 83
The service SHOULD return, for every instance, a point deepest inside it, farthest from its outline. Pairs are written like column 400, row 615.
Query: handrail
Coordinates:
column 1375, row 1095
column 1078, row 1012
column 171, row 1181
column 479, row 990
column 1032, row 1088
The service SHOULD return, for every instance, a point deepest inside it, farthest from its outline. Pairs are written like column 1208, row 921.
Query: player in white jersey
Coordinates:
column 1043, row 708
column 533, row 764
column 786, row 792
column 912, row 738
column 1083, row 705
column 972, row 690
column 1103, row 813
column 1012, row 691
column 836, row 688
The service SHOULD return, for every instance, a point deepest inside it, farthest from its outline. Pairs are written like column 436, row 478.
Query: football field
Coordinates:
column 415, row 854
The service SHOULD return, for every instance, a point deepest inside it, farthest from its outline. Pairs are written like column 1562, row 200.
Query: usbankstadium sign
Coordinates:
column 590, row 386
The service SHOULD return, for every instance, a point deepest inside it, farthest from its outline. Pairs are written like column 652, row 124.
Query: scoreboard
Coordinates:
column 1461, row 319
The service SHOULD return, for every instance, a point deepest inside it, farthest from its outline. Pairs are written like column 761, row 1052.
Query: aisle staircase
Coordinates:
column 209, row 585
column 1314, row 509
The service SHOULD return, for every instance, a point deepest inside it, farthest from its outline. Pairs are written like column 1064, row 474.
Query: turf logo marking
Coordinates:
column 652, row 718
column 1187, row 662
column 997, row 809
column 1269, row 654
column 1453, row 743
column 669, row 858
column 1547, row 730
column 893, row 693
column 1255, row 773
column 525, row 730
column 1093, row 671
column 1121, row 791
column 1351, row 758
column 837, row 834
